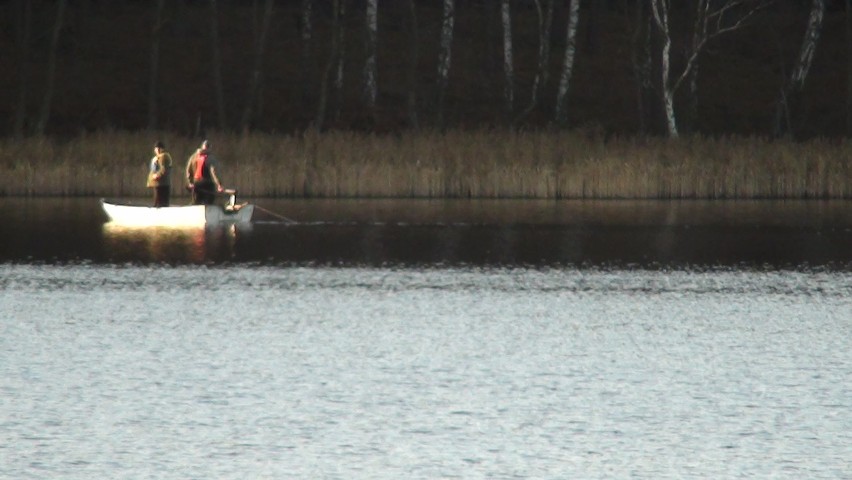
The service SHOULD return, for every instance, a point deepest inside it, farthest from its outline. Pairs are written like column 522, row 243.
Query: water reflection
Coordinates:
column 554, row 245
column 170, row 244
column 410, row 232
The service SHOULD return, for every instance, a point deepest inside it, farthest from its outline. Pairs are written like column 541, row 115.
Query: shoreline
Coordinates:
column 473, row 164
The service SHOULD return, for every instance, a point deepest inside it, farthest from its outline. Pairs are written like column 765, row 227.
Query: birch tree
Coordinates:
column 792, row 89
column 712, row 19
column 370, row 74
column 691, row 117
column 217, row 65
column 508, row 65
column 445, row 56
column 47, row 99
column 660, row 9
column 545, row 22
column 568, row 60
column 154, row 72
column 23, row 26
column 257, row 67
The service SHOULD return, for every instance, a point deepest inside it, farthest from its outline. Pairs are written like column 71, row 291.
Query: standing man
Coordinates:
column 159, row 175
column 201, row 176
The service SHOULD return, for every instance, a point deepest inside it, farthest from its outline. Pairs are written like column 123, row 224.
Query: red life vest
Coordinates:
column 200, row 160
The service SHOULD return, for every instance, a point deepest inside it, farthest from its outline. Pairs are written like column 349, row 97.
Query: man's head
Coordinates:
column 205, row 145
column 159, row 146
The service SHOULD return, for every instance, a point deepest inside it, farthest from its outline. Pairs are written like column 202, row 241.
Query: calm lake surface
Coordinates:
column 429, row 339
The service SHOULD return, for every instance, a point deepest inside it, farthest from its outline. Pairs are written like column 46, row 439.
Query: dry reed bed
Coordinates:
column 479, row 164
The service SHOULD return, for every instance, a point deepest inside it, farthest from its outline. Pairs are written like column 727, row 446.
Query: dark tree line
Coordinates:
column 626, row 66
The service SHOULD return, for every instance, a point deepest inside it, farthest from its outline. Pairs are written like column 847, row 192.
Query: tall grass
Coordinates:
column 480, row 164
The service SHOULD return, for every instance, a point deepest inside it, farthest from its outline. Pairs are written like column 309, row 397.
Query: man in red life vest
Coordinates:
column 201, row 176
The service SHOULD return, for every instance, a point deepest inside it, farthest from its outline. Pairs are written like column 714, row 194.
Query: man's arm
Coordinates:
column 215, row 178
column 189, row 164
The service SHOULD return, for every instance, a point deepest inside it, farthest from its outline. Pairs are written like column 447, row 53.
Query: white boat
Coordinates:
column 177, row 216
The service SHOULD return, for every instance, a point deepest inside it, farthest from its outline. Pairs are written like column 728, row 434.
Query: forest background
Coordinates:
column 499, row 98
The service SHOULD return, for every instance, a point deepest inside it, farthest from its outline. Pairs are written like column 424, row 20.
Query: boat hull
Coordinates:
column 177, row 216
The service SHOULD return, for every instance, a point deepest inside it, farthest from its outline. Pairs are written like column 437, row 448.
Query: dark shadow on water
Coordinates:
column 450, row 233
column 549, row 245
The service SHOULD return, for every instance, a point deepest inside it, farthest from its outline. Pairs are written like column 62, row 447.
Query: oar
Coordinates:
column 278, row 215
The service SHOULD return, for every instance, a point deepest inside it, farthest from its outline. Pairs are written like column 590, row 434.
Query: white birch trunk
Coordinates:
column 370, row 73
column 809, row 44
column 783, row 112
column 712, row 20
column 445, row 54
column 660, row 9
column 568, row 61
column 508, row 64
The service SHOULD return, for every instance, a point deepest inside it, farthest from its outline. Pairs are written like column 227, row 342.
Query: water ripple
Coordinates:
column 270, row 372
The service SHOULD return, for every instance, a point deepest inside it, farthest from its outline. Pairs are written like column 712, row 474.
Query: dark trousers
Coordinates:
column 161, row 196
column 203, row 194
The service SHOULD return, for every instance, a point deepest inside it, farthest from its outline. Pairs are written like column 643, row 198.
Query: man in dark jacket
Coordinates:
column 201, row 176
column 159, row 175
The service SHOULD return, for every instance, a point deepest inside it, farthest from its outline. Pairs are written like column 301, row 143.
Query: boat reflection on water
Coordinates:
column 171, row 244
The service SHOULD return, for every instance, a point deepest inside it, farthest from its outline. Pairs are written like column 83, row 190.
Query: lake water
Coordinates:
column 430, row 339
